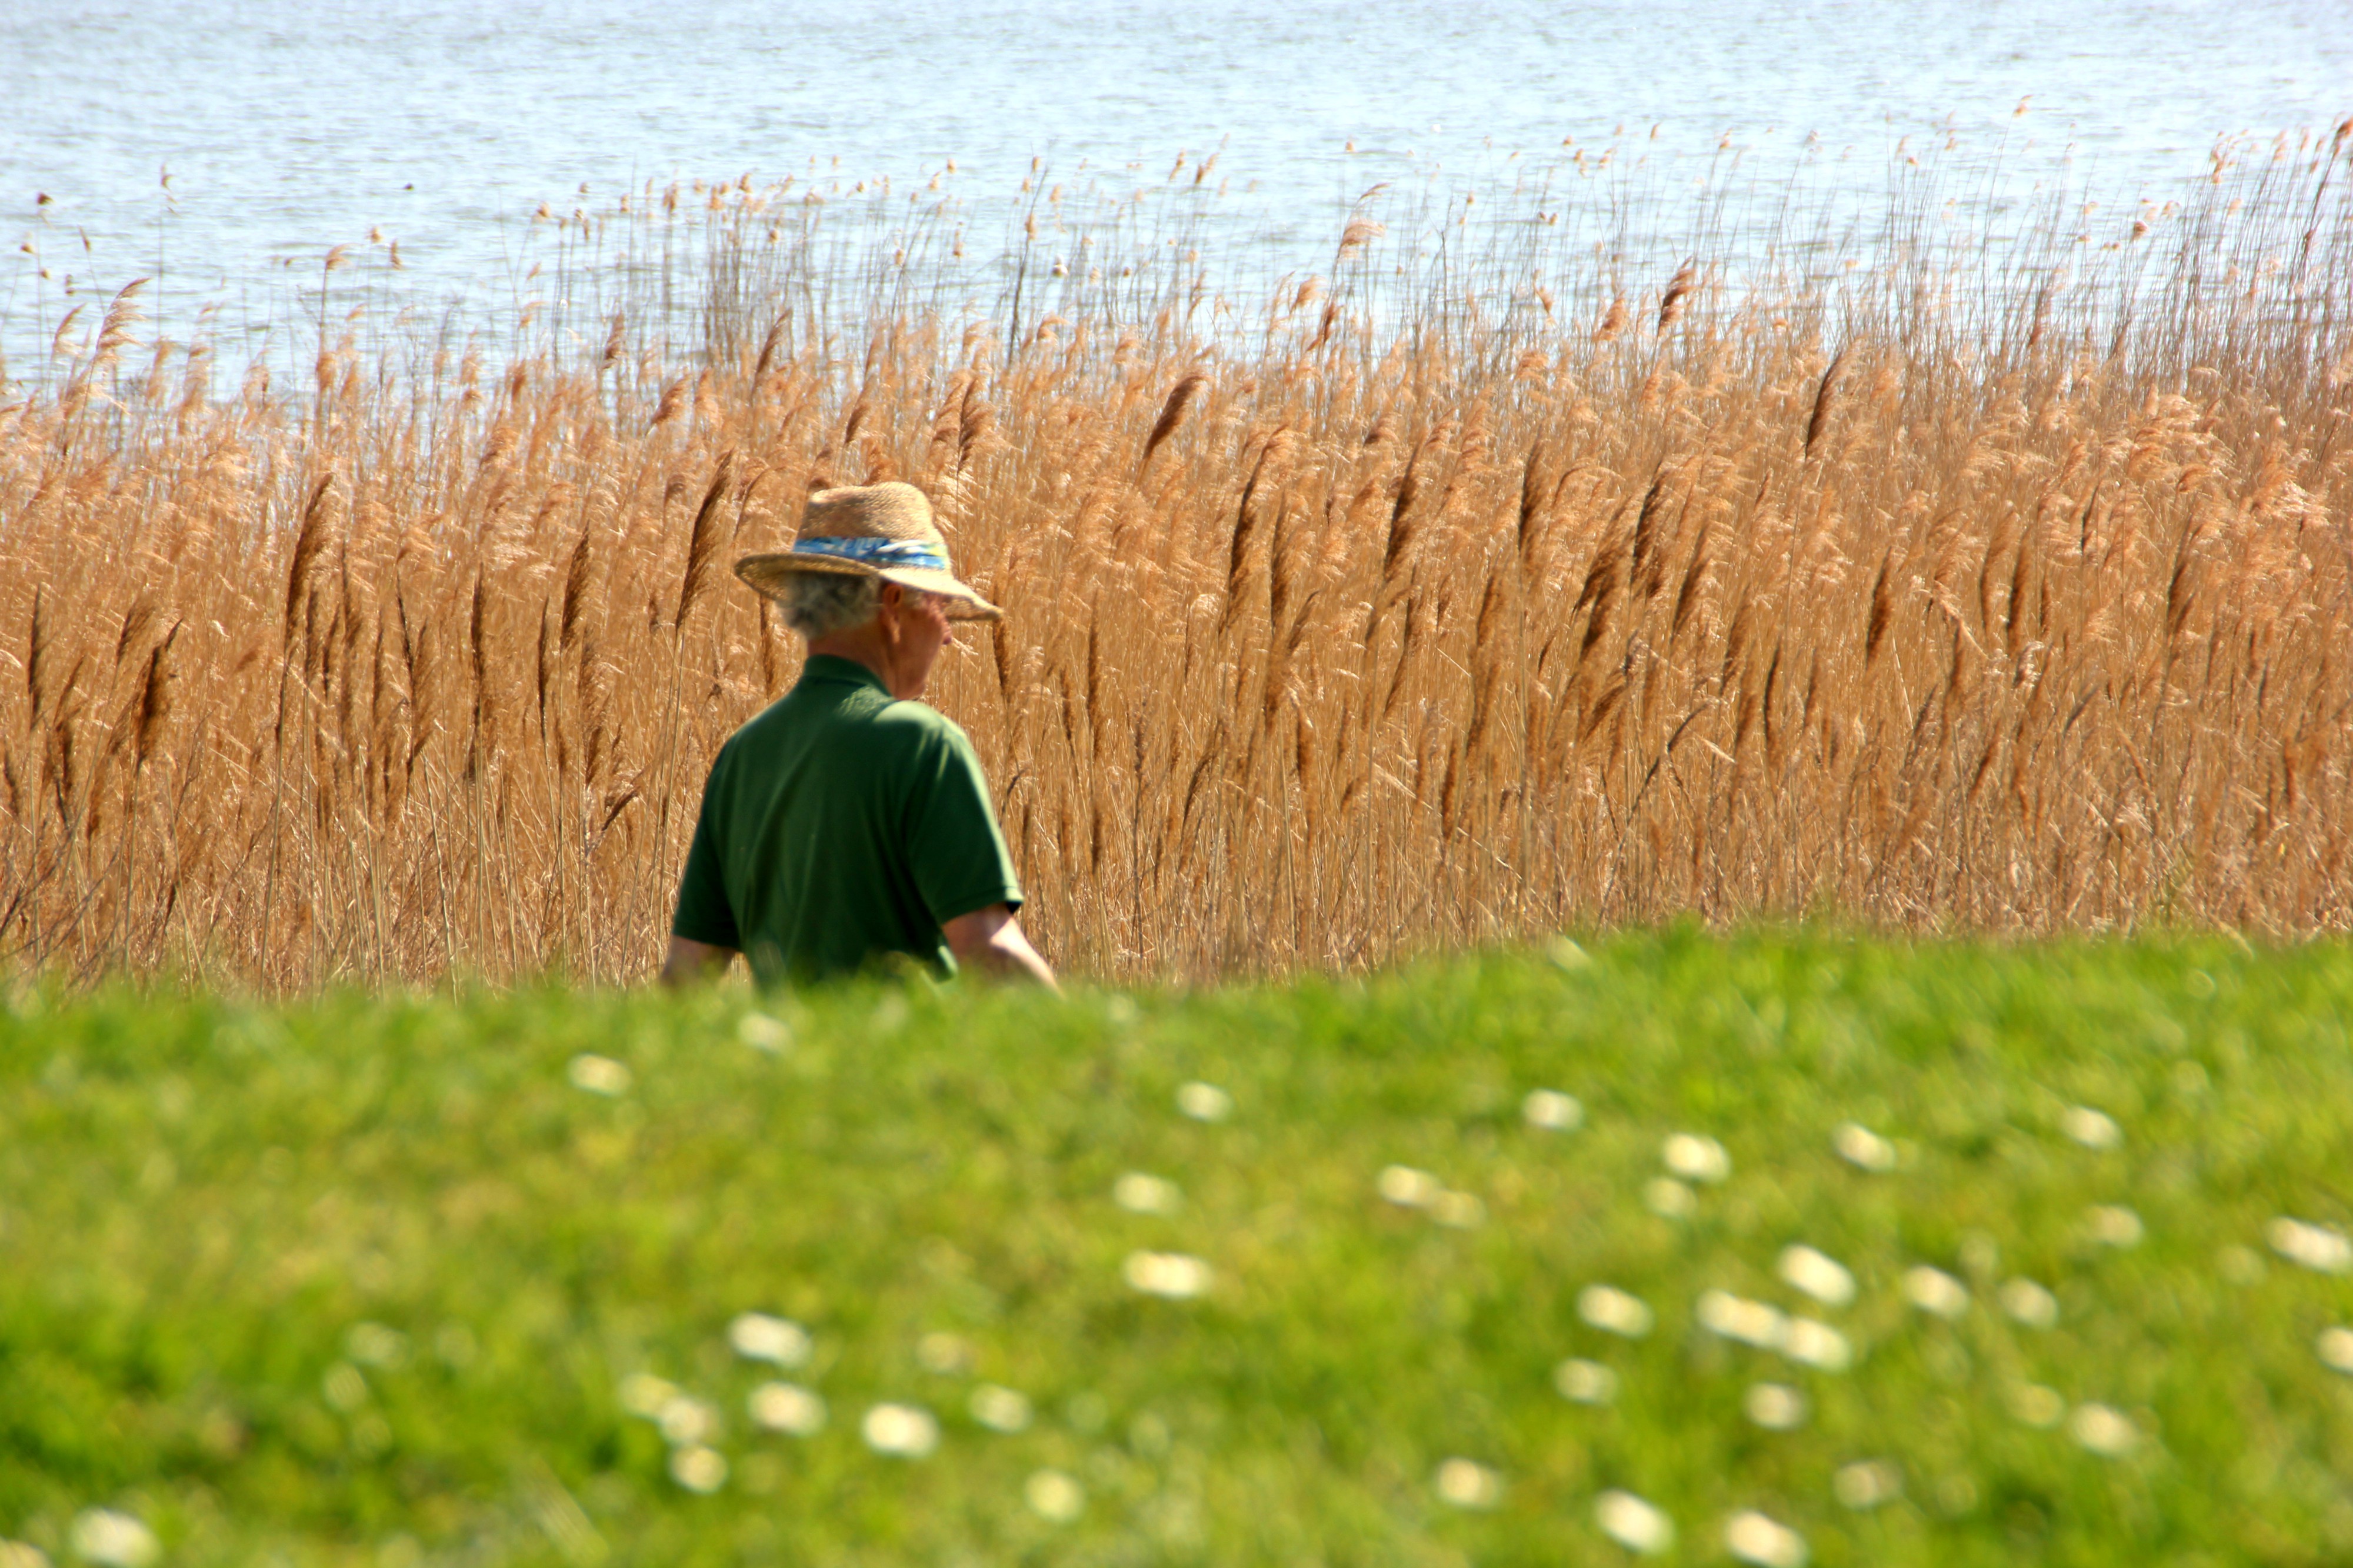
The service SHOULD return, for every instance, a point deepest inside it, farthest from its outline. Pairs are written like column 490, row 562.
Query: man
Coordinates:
column 849, row 822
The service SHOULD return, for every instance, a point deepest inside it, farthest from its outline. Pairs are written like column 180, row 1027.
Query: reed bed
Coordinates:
column 1419, row 603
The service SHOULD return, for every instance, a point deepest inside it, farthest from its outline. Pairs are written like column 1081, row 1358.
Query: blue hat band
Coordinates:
column 875, row 551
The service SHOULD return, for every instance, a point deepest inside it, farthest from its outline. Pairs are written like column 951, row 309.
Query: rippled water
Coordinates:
column 288, row 128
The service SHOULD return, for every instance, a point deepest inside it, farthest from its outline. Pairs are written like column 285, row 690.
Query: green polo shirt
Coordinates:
column 839, row 826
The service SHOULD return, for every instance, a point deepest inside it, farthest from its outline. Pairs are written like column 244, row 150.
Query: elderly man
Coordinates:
column 849, row 822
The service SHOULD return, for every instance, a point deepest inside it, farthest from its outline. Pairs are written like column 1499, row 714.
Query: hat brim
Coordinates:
column 767, row 573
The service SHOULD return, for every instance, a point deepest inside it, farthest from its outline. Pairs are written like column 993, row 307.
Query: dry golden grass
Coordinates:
column 1361, row 630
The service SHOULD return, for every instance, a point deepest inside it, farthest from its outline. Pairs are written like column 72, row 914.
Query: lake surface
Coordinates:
column 286, row 129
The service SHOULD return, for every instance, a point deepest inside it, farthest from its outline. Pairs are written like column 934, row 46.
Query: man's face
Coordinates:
column 922, row 626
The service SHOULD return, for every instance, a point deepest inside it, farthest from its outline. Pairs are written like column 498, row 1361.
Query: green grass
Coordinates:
column 202, row 1201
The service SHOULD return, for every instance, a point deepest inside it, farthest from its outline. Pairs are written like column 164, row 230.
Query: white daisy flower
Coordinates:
column 1817, row 1345
column 1139, row 1193
column 1204, row 1103
column 1866, row 1484
column 1934, row 1291
column 2315, row 1246
column 1054, row 1496
column 2092, row 1128
column 902, row 1431
column 2104, row 1430
column 2028, row 1303
column 599, row 1075
column 2036, row 1405
column 1754, row 1538
column 999, row 1409
column 1754, row 1323
column 1582, row 1382
column 644, row 1394
column 1861, row 1147
column 1669, row 1199
column 698, row 1469
column 685, row 1420
column 1694, row 1158
column 757, row 1336
column 1551, row 1111
column 1172, row 1276
column 1408, row 1188
column 1776, row 1406
column 1459, row 1211
column 1465, row 1483
column 763, row 1033
column 372, row 1344
column 1612, row 1310
column 944, row 1354
column 114, row 1539
column 2114, row 1225
column 1633, row 1523
column 789, row 1409
column 1823, row 1277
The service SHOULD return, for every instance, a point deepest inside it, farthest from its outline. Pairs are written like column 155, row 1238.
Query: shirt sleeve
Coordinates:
column 704, row 914
column 955, row 847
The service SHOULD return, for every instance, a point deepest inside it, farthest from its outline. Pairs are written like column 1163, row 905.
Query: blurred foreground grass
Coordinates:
column 393, row 1281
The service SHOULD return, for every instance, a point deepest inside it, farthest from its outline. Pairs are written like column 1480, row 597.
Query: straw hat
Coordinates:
column 882, row 530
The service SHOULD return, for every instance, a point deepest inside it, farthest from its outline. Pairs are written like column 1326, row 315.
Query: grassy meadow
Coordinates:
column 1794, row 1246
column 1364, row 627
column 1455, row 590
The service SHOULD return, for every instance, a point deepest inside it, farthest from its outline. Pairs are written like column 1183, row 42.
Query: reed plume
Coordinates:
column 2023, row 607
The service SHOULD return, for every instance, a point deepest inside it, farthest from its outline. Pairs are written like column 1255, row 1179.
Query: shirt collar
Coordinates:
column 834, row 669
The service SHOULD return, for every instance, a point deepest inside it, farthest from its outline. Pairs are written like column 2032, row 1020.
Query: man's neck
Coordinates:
column 862, row 646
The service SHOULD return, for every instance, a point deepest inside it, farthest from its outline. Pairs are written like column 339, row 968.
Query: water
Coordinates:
column 287, row 127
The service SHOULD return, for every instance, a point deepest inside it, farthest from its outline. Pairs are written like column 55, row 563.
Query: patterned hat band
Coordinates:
column 876, row 552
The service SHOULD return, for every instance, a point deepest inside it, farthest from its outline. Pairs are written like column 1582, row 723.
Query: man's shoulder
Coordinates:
column 769, row 722
column 914, row 715
column 863, row 720
column 919, row 727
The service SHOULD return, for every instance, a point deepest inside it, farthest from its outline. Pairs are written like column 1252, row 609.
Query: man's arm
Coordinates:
column 690, row 961
column 989, row 940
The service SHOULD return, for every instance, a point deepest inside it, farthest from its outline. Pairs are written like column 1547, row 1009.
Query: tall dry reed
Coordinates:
column 1383, row 623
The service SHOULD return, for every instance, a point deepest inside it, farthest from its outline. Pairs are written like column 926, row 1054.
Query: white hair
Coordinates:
column 819, row 604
